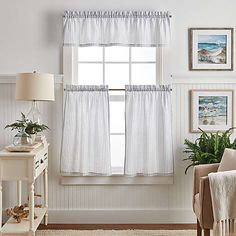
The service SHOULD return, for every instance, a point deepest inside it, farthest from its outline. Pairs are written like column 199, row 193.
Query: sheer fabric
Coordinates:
column 148, row 131
column 125, row 28
column 86, row 134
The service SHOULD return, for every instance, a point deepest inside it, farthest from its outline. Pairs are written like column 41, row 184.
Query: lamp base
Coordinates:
column 34, row 113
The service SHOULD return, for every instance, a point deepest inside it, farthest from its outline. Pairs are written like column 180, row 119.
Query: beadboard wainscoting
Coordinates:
column 109, row 203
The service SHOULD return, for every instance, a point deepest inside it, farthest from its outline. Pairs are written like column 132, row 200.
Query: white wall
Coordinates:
column 31, row 30
column 31, row 39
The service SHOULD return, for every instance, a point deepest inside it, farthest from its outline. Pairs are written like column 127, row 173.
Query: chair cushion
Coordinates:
column 228, row 161
column 197, row 207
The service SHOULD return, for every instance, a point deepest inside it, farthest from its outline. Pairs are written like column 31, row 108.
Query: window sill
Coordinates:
column 116, row 180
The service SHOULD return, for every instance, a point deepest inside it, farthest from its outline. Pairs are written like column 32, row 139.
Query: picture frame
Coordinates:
column 211, row 49
column 211, row 110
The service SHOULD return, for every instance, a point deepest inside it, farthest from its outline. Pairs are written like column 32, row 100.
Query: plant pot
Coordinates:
column 22, row 138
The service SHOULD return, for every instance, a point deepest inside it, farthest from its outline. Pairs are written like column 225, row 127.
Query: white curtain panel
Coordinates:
column 86, row 134
column 125, row 28
column 148, row 130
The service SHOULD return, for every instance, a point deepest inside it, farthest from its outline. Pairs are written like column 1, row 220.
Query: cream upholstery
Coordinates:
column 196, row 206
column 228, row 161
column 201, row 197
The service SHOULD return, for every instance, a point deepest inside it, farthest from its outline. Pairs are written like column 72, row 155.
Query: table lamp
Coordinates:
column 34, row 87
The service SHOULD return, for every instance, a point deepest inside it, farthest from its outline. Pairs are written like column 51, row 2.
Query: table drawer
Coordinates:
column 41, row 162
column 15, row 169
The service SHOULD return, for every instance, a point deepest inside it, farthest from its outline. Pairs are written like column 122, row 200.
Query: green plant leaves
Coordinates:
column 208, row 148
column 34, row 128
column 30, row 126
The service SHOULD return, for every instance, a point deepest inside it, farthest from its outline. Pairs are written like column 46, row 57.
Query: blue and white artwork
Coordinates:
column 212, row 110
column 212, row 49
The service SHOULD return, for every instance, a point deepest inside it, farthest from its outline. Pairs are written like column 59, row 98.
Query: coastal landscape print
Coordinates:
column 212, row 49
column 212, row 110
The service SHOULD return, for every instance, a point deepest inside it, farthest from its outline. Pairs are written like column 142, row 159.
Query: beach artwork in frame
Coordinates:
column 211, row 49
column 211, row 110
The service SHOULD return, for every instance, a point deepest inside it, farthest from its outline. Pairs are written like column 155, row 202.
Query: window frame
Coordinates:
column 104, row 62
column 70, row 63
column 70, row 72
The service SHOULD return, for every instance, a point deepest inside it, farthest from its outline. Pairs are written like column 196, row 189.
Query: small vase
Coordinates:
column 33, row 137
column 22, row 138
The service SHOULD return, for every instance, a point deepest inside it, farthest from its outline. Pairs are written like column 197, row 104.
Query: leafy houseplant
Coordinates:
column 28, row 126
column 208, row 148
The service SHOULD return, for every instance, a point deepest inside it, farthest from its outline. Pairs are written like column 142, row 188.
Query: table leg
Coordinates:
column 46, row 194
column 19, row 192
column 31, row 207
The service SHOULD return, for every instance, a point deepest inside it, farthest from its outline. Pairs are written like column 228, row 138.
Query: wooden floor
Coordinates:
column 119, row 226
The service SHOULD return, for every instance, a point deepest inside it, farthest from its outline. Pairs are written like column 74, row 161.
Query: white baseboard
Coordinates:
column 156, row 216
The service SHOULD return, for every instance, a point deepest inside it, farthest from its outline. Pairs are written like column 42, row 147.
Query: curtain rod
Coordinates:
column 122, row 89
column 116, row 89
column 115, row 12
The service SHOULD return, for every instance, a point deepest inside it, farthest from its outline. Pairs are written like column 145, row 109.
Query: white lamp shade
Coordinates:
column 35, row 87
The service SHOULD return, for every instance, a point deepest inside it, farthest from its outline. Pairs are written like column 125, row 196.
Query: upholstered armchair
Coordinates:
column 202, row 204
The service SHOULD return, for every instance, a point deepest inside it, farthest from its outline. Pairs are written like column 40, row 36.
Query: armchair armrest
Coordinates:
column 201, row 171
column 206, row 213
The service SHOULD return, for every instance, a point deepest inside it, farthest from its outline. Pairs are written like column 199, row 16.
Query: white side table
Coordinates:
column 24, row 166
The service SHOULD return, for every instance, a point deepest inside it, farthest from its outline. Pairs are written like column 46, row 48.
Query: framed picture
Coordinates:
column 211, row 49
column 212, row 110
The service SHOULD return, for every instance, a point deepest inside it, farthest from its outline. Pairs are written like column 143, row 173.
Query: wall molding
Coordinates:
column 11, row 78
column 175, row 79
column 179, row 79
column 124, row 216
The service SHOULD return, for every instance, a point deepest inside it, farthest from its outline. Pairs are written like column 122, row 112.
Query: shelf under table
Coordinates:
column 11, row 227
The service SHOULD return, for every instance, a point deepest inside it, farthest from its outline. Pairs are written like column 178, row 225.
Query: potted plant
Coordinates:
column 27, row 130
column 208, row 148
column 33, row 128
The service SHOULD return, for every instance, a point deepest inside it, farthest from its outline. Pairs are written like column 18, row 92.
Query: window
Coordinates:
column 116, row 66
column 101, row 65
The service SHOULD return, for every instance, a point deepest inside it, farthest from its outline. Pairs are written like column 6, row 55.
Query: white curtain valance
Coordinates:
column 124, row 28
